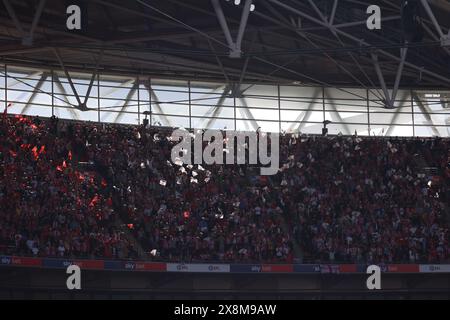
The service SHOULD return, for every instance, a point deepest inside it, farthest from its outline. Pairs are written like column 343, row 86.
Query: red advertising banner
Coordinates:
column 224, row 268
column 24, row 261
column 150, row 266
column 348, row 268
column 90, row 264
column 403, row 268
column 277, row 268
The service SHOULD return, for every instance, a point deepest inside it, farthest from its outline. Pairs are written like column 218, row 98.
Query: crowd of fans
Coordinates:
column 48, row 207
column 335, row 199
column 188, row 213
column 362, row 200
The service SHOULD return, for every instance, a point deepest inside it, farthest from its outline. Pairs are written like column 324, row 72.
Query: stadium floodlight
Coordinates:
column 238, row 2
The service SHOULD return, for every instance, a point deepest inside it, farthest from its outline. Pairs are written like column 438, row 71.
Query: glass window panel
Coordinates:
column 259, row 114
column 292, row 115
column 198, row 87
column 258, row 102
column 347, row 129
column 249, row 125
column 346, row 123
column 208, row 123
column 346, row 100
column 259, row 90
column 173, row 109
column 388, row 116
column 30, row 109
column 303, row 127
column 201, row 111
column 300, row 92
column 121, row 100
column 178, row 121
column 116, row 116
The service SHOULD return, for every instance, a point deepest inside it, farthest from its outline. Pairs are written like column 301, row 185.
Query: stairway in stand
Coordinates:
column 117, row 220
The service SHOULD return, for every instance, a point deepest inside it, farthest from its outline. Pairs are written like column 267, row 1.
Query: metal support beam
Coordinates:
column 127, row 100
column 94, row 74
column 186, row 66
column 381, row 79
column 349, row 53
column 342, row 44
column 58, row 83
column 363, row 22
column 244, row 68
column 432, row 17
column 219, row 62
column 390, row 100
column 397, row 113
column 121, row 86
column 339, row 65
column 306, row 115
column 335, row 116
column 243, row 25
column 29, row 76
column 23, row 94
column 110, row 91
column 250, row 116
column 171, row 20
column 155, row 104
column 223, row 22
column 319, row 13
column 434, row 37
column 27, row 38
column 445, row 39
column 218, row 107
column 81, row 105
column 403, row 53
column 22, row 50
column 36, row 90
column 358, row 40
column 69, row 78
column 235, row 47
column 333, row 12
column 206, row 97
column 12, row 14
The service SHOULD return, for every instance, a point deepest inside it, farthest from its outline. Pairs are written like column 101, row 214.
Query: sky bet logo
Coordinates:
column 5, row 260
column 181, row 267
column 256, row 268
column 130, row 266
column 67, row 263
column 434, row 268
column 213, row 268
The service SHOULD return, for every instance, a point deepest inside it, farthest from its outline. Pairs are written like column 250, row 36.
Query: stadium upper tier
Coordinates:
column 89, row 190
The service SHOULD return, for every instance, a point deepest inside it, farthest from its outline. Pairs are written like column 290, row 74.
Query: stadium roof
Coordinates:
column 322, row 42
